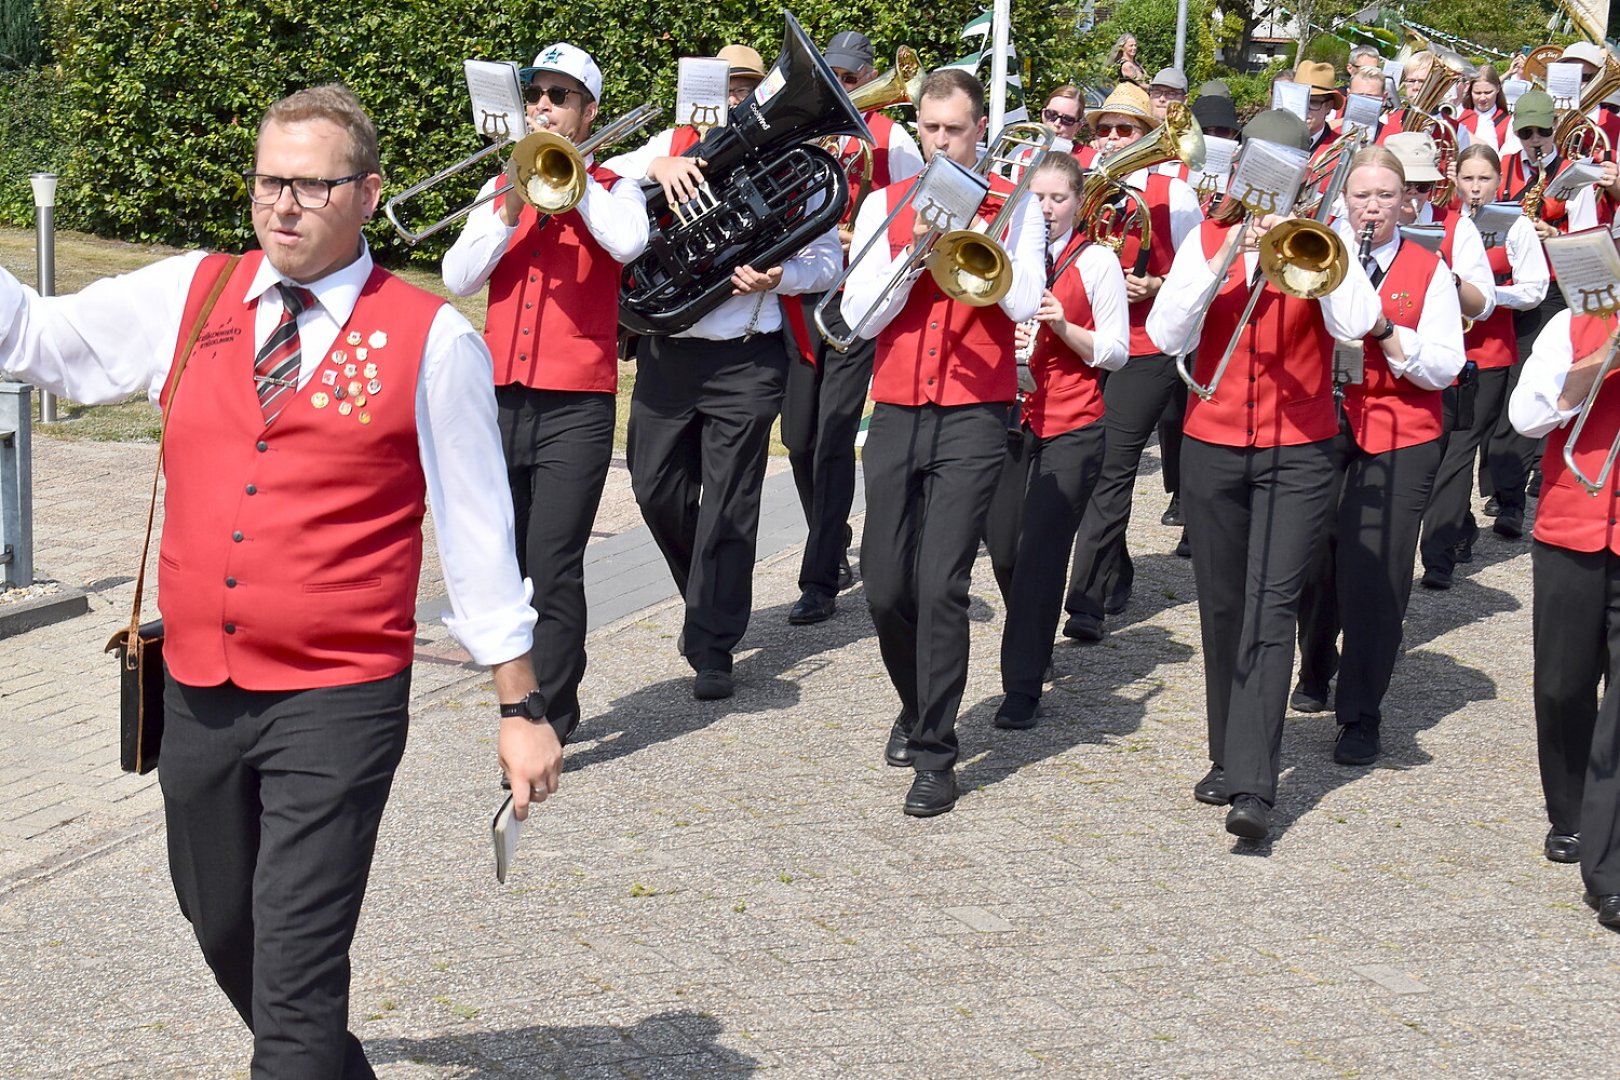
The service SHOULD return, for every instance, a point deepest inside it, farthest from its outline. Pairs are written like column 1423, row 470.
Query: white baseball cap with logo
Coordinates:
column 566, row 59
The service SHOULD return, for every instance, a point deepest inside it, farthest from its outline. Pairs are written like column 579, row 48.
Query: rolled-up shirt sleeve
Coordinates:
column 1533, row 408
column 465, row 470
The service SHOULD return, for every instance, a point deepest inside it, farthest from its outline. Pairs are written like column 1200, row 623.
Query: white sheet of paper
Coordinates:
column 1291, row 97
column 949, row 195
column 1514, row 89
column 1362, row 111
column 701, row 83
column 504, row 831
column 1575, row 176
column 1268, row 177
column 1494, row 221
column 1588, row 269
column 1219, row 154
column 1428, row 237
column 1393, row 69
column 1564, row 84
column 497, row 98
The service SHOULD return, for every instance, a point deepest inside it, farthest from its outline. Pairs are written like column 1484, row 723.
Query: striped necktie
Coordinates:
column 275, row 369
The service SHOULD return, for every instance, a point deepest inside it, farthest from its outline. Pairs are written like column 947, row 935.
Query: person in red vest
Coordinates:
column 1413, row 75
column 555, row 279
column 325, row 403
column 826, row 389
column 1137, row 394
column 1384, row 460
column 944, row 375
column 1063, row 113
column 1325, row 97
column 1519, row 268
column 1575, row 565
column 1080, row 330
column 1487, row 118
column 1257, row 468
column 702, row 410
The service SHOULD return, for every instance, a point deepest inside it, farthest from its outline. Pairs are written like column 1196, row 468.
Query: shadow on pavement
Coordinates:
column 671, row 1044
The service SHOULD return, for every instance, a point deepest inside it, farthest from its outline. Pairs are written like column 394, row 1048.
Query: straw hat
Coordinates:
column 1126, row 99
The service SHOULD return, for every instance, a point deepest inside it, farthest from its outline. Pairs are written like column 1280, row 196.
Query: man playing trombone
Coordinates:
column 555, row 279
column 943, row 377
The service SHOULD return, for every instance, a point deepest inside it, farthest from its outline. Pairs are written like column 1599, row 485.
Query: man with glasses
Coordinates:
column 1135, row 396
column 702, row 409
column 826, row 389
column 326, row 402
column 1413, row 75
column 1169, row 87
column 1325, row 97
column 555, row 280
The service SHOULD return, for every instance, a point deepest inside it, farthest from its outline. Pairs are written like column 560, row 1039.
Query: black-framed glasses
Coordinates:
column 1052, row 116
column 309, row 192
column 557, row 94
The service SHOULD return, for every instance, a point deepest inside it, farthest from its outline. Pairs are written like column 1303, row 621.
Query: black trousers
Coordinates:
column 1004, row 524
column 1361, row 575
column 1448, row 518
column 821, row 414
column 1062, row 472
column 1576, row 635
column 1254, row 518
column 1511, row 456
column 272, row 801
column 1135, row 397
column 1600, row 805
column 1170, row 437
column 700, row 430
column 558, row 446
column 930, row 471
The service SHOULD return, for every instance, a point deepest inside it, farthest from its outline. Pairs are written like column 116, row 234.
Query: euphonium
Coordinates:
column 1104, row 193
column 1424, row 112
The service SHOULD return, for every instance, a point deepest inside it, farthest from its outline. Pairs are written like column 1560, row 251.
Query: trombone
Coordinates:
column 550, row 173
column 967, row 265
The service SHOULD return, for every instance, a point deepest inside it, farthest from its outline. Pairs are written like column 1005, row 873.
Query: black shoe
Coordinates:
column 1357, row 744
column 1084, row 628
column 1305, row 700
column 1509, row 523
column 933, row 792
column 1183, row 549
column 846, row 576
column 1562, row 847
column 1607, row 908
column 1435, row 578
column 1171, row 518
column 1212, row 788
column 1492, row 507
column 898, row 752
column 1017, row 712
column 812, row 608
column 713, row 685
column 1118, row 600
column 1249, row 817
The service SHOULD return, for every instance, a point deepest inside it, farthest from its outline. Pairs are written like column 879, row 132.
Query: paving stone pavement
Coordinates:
column 729, row 887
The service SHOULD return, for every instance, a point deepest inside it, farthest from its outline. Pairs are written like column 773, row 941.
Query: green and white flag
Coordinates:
column 980, row 27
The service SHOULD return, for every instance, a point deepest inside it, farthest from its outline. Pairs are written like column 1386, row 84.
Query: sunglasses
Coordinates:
column 1052, row 116
column 1422, row 188
column 1104, row 130
column 849, row 78
column 1536, row 132
column 558, row 95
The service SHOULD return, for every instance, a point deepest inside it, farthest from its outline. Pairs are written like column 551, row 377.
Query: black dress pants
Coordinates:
column 1135, row 397
column 700, row 431
column 1511, row 456
column 1063, row 470
column 1448, row 519
column 272, row 801
column 1004, row 524
column 821, row 414
column 1576, row 634
column 1600, row 804
column 1254, row 518
column 558, row 445
column 930, row 471
column 1361, row 575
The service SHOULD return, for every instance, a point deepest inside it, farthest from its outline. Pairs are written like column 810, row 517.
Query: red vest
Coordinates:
column 937, row 349
column 1553, row 211
column 1445, row 217
column 1278, row 389
column 1085, row 154
column 1068, row 392
column 1156, row 197
column 1567, row 516
column 290, row 553
column 1392, row 126
column 1385, row 412
column 555, row 281
column 682, row 139
column 1472, row 119
column 1491, row 342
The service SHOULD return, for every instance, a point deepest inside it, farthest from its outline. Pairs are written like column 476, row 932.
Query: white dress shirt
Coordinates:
column 1176, row 322
column 117, row 337
column 1533, row 408
column 905, row 159
column 810, row 269
column 1467, row 253
column 1531, row 278
column 1110, row 327
column 616, row 219
column 1434, row 350
column 1185, row 212
column 1027, row 234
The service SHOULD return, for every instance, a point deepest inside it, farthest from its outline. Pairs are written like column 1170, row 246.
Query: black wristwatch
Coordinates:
column 1389, row 330
column 532, row 707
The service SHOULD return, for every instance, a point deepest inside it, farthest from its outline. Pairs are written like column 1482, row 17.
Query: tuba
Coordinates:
column 1104, row 196
column 767, row 194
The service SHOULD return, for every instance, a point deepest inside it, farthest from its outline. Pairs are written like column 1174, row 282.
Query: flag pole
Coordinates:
column 1000, row 29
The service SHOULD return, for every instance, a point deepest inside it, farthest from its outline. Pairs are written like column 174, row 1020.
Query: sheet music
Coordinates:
column 1428, row 237
column 1291, row 97
column 1513, row 89
column 1564, row 84
column 949, row 195
column 1575, row 176
column 1268, row 177
column 497, row 98
column 1361, row 111
column 1219, row 154
column 701, row 85
column 1494, row 221
column 1587, row 267
column 1393, row 70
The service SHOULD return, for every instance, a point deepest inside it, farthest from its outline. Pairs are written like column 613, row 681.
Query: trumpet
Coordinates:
column 967, row 265
column 550, row 173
